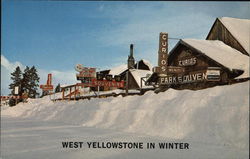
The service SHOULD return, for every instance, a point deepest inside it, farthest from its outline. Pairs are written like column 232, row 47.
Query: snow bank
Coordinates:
column 218, row 115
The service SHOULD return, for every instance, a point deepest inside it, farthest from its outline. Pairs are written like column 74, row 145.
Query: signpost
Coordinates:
column 163, row 53
column 85, row 72
column 48, row 86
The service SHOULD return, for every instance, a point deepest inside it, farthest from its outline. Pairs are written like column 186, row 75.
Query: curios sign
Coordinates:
column 162, row 53
column 187, row 62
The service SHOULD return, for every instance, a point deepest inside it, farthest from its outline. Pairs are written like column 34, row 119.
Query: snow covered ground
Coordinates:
column 214, row 121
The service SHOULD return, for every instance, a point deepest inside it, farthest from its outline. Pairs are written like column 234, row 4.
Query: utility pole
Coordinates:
column 127, row 82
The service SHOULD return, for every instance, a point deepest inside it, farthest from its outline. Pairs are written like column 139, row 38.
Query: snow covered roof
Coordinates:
column 138, row 74
column 118, row 70
column 240, row 29
column 221, row 53
column 66, row 85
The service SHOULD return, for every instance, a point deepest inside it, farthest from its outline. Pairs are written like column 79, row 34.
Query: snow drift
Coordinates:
column 217, row 115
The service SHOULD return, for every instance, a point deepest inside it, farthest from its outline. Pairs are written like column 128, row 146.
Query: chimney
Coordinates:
column 131, row 60
column 131, row 49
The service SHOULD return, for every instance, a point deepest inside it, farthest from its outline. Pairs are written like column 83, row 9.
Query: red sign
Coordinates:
column 105, row 83
column 87, row 72
column 49, row 79
column 46, row 87
column 108, row 83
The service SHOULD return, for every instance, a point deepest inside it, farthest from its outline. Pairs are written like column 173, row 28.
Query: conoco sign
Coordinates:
column 163, row 53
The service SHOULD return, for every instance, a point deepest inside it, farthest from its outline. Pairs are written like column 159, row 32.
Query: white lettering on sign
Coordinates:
column 188, row 62
column 163, row 50
column 183, row 79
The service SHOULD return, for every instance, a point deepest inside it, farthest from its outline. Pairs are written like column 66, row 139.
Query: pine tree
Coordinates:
column 17, row 80
column 58, row 88
column 25, row 80
column 34, row 80
column 30, row 81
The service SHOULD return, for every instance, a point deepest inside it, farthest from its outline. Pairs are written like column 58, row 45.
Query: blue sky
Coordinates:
column 56, row 35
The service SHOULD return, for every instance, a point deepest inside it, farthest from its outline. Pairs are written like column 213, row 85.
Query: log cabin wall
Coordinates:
column 220, row 32
column 202, row 62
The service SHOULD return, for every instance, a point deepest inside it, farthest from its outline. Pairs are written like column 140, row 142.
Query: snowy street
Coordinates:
column 25, row 138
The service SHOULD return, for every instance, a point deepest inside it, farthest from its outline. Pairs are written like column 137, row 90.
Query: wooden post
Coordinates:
column 127, row 82
column 75, row 93
column 69, row 93
column 63, row 93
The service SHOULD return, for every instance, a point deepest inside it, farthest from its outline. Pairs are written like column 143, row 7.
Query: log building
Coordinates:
column 222, row 58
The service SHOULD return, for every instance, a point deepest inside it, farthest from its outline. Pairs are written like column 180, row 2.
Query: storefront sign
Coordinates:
column 163, row 53
column 187, row 62
column 94, row 83
column 175, row 69
column 87, row 72
column 107, row 83
column 181, row 79
column 213, row 74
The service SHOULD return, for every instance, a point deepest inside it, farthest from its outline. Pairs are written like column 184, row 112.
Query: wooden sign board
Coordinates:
column 87, row 72
column 163, row 53
column 107, row 83
column 182, row 79
column 46, row 87
column 175, row 69
column 170, row 69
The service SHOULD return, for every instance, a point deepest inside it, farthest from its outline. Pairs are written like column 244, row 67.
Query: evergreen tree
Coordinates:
column 34, row 80
column 30, row 81
column 16, row 76
column 25, row 80
column 58, row 88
